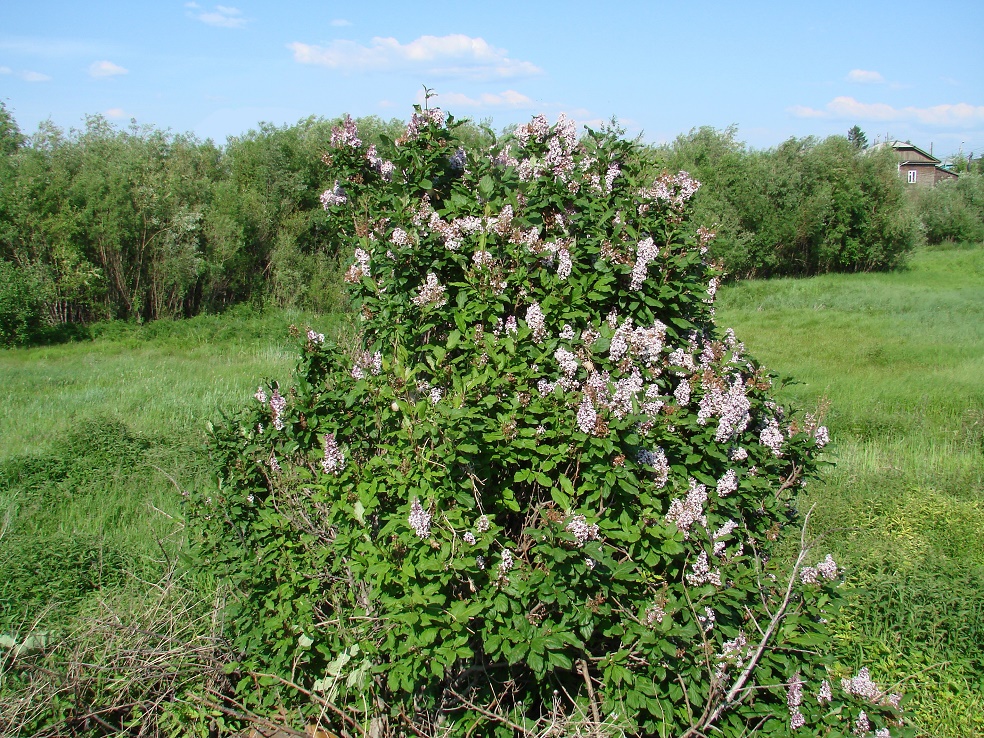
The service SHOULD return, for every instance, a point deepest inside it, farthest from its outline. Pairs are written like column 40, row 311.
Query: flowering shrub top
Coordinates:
column 544, row 487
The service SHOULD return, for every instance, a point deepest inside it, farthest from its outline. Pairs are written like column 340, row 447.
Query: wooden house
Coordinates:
column 917, row 167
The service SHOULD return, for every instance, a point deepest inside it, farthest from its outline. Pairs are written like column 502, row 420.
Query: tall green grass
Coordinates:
column 98, row 439
column 900, row 358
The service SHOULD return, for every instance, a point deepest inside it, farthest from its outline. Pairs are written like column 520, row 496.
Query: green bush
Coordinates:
column 22, row 306
column 806, row 207
column 545, row 490
column 953, row 210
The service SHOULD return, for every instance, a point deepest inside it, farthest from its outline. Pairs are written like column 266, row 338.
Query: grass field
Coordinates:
column 96, row 437
column 900, row 358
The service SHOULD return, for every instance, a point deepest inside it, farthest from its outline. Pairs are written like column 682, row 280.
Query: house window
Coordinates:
column 912, row 176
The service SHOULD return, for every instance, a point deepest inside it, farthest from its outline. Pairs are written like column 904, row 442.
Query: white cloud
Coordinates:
column 106, row 69
column 222, row 16
column 847, row 108
column 802, row 111
column 506, row 99
column 341, row 23
column 455, row 55
column 865, row 77
column 115, row 113
column 26, row 75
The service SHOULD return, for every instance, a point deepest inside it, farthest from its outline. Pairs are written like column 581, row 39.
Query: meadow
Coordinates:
column 98, row 437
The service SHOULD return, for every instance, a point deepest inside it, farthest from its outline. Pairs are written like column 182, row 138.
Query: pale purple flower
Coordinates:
column 431, row 293
column 682, row 393
column 277, row 406
column 315, row 337
column 646, row 251
column 335, row 196
column 458, row 159
column 482, row 259
column 822, row 436
column 701, row 572
column 828, row 568
column 420, row 519
column 578, row 527
column 536, row 322
column 658, row 461
column 655, row 614
column 564, row 264
column 367, row 363
column 399, row 237
column 728, row 483
column 334, row 460
column 685, row 512
column 482, row 524
column 771, row 437
column 260, row 395
column 862, row 686
column 586, row 415
column 862, row 725
column 507, row 562
column 346, row 134
column 825, row 695
column 436, row 394
column 469, row 538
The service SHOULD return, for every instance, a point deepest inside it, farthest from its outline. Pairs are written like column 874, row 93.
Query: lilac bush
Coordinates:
column 545, row 490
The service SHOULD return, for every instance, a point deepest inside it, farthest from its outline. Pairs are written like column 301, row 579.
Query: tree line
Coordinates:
column 138, row 223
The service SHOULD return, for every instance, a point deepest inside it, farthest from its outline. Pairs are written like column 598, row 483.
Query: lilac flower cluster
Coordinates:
column 689, row 510
column 771, row 437
column 794, row 698
column 419, row 519
column 673, row 190
column 862, row 686
column 646, row 251
column 707, row 620
column 260, row 395
column 431, row 292
column 655, row 613
column 536, row 130
column 826, row 569
column 701, row 572
column 382, row 166
column 420, row 120
column 730, row 405
column 733, row 653
column 646, row 344
column 334, row 460
column 335, row 196
column 507, row 563
column 313, row 337
column 367, row 363
column 587, row 416
column 727, row 484
column 578, row 527
column 360, row 268
column 278, row 404
column 658, row 461
column 346, row 134
column 682, row 393
column 536, row 322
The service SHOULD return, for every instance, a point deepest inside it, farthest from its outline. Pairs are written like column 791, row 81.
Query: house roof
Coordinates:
column 901, row 147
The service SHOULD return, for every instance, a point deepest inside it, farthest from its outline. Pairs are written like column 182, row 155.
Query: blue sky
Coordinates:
column 901, row 69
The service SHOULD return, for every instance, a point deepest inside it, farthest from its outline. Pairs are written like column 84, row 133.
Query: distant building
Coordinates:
column 917, row 167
